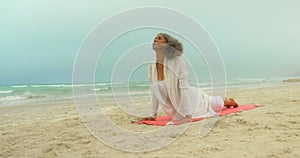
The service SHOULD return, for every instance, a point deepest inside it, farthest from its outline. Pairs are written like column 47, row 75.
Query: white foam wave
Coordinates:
column 118, row 83
column 11, row 98
column 23, row 97
column 129, row 93
column 102, row 84
column 6, row 92
column 100, row 89
column 62, row 85
column 203, row 84
column 19, row 86
column 53, row 86
column 142, row 85
column 80, row 85
column 252, row 79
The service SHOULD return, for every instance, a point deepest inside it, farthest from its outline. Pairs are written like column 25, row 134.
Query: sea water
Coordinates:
column 59, row 93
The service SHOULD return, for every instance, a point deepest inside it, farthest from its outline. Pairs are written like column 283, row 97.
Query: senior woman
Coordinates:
column 168, row 78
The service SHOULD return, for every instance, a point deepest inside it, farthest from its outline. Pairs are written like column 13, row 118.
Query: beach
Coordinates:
column 55, row 129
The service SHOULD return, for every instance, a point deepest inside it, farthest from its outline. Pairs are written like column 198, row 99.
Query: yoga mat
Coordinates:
column 163, row 120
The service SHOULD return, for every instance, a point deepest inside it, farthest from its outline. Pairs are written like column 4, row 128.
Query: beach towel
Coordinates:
column 163, row 120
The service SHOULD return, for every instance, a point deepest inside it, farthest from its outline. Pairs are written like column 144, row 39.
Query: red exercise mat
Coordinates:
column 163, row 120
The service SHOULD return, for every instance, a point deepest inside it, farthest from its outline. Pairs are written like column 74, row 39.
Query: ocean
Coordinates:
column 11, row 95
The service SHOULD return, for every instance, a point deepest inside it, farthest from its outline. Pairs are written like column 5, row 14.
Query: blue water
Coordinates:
column 58, row 93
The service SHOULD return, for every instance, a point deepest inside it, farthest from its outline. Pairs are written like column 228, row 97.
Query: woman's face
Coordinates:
column 158, row 42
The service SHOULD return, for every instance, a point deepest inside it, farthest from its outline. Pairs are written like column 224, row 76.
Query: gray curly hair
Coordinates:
column 173, row 47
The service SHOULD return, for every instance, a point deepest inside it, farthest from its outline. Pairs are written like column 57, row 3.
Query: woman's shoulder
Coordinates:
column 180, row 60
column 152, row 63
column 176, row 59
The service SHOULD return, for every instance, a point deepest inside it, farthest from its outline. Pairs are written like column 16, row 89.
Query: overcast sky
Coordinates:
column 39, row 39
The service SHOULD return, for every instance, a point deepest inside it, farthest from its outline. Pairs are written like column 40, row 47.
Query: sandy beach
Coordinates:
column 55, row 130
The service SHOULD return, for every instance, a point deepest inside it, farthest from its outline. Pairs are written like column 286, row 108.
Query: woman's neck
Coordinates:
column 160, row 65
column 159, row 57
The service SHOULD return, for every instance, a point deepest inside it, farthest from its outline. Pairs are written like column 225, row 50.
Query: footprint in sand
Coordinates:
column 274, row 113
column 280, row 140
column 47, row 150
column 293, row 100
column 282, row 125
column 241, row 121
column 267, row 127
column 293, row 115
column 85, row 142
column 292, row 122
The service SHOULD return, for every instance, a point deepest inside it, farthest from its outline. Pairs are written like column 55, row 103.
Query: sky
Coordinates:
column 40, row 39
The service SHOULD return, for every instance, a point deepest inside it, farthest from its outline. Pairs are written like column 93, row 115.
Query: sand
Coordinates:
column 55, row 130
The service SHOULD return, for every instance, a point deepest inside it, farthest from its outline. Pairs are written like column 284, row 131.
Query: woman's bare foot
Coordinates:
column 228, row 102
column 149, row 118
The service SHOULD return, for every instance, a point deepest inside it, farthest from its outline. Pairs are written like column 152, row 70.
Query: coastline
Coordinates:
column 55, row 130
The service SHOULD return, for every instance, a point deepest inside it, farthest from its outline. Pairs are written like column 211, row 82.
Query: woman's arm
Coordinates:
column 182, row 74
column 185, row 104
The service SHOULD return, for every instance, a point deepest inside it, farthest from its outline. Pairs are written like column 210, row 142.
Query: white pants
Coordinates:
column 193, row 102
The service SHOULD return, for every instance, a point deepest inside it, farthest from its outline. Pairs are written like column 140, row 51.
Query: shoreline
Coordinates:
column 70, row 99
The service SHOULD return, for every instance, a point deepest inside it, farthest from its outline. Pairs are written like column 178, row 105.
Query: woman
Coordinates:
column 168, row 77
